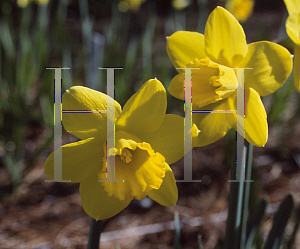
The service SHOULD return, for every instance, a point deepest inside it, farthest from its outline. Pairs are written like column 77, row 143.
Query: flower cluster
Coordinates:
column 147, row 140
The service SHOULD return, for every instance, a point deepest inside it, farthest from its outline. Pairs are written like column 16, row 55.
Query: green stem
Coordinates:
column 248, row 171
column 94, row 235
column 233, row 231
column 238, row 203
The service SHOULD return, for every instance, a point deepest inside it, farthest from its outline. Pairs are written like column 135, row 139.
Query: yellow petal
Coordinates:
column 256, row 126
column 139, row 167
column 271, row 65
column 80, row 160
column 210, row 83
column 145, row 110
column 169, row 138
column 293, row 26
column 292, row 6
column 167, row 194
column 23, row 3
column 85, row 125
column 225, row 41
column 183, row 47
column 133, row 5
column 95, row 201
column 176, row 87
column 214, row 126
column 297, row 67
column 180, row 4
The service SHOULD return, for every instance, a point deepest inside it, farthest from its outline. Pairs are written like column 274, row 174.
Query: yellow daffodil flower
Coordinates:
column 24, row 3
column 146, row 141
column 222, row 48
column 241, row 9
column 293, row 31
column 133, row 5
column 180, row 4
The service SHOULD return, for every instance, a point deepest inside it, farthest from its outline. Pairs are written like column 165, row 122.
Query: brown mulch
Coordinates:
column 44, row 215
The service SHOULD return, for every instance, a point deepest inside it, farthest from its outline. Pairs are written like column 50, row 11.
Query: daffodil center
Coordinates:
column 125, row 145
column 138, row 169
column 126, row 155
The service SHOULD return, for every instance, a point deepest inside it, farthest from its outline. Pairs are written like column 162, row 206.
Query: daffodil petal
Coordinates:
column 214, row 126
column 271, row 65
column 256, row 126
column 293, row 26
column 80, row 160
column 167, row 194
column 297, row 67
column 85, row 125
column 145, row 110
column 184, row 46
column 169, row 138
column 292, row 6
column 225, row 41
column 96, row 202
column 176, row 87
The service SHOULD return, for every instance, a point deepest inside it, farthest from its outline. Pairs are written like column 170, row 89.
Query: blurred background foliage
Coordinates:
column 85, row 35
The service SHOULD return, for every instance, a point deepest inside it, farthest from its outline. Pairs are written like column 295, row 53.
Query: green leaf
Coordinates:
column 291, row 241
column 13, row 169
column 254, row 223
column 7, row 40
column 279, row 223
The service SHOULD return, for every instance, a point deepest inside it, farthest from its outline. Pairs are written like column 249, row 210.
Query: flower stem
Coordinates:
column 94, row 235
column 238, row 202
column 248, row 172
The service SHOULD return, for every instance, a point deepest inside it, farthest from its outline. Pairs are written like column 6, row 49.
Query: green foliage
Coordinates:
column 254, row 223
column 290, row 242
column 279, row 223
column 243, row 230
column 24, row 52
column 253, row 238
